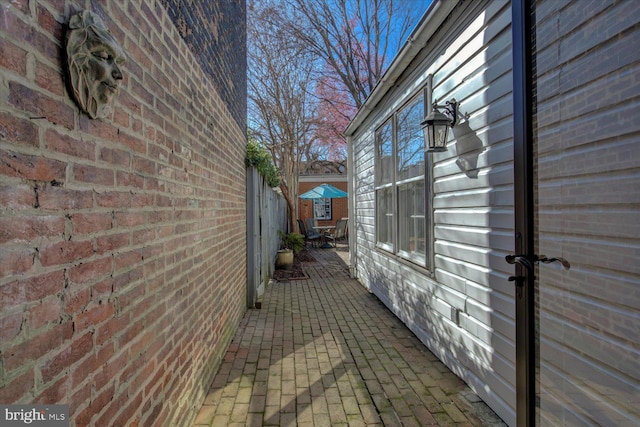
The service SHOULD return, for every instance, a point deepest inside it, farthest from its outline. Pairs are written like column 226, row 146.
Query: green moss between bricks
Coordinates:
column 211, row 367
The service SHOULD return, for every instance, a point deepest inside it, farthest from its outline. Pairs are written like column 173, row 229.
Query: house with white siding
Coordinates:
column 513, row 254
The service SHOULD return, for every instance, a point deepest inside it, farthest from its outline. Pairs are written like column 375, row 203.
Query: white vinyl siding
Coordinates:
column 462, row 305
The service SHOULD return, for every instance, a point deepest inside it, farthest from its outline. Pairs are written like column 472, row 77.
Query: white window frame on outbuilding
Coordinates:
column 403, row 184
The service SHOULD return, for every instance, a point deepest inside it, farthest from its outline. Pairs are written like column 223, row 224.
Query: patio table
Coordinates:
column 322, row 229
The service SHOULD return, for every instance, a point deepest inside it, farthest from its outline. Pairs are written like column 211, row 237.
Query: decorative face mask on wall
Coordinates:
column 94, row 58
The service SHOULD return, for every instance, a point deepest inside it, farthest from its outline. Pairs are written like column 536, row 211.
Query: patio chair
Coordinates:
column 340, row 233
column 310, row 225
column 310, row 236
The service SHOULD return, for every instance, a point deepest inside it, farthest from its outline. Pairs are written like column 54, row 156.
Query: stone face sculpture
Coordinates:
column 94, row 58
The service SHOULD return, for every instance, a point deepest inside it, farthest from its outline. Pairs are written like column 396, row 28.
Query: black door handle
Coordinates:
column 564, row 262
column 528, row 263
column 519, row 259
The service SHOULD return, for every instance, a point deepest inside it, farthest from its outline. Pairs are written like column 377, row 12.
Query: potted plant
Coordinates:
column 290, row 243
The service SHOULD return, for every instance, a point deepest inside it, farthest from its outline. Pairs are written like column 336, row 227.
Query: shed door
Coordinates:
column 586, row 158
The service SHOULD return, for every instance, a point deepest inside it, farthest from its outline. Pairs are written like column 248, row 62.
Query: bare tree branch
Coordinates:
column 280, row 74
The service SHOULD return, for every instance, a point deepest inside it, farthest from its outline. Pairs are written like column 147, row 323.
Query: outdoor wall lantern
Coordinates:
column 436, row 125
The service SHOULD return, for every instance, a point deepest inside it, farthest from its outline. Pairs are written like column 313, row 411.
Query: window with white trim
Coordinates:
column 322, row 209
column 401, row 184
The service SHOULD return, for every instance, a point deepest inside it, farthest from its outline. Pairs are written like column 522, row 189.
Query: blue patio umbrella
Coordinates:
column 324, row 191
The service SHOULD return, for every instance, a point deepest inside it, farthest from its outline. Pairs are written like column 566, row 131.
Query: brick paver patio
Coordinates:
column 326, row 352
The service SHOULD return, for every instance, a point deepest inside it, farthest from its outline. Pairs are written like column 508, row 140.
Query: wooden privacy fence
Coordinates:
column 266, row 215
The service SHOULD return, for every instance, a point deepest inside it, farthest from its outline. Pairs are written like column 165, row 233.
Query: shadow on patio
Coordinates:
column 325, row 352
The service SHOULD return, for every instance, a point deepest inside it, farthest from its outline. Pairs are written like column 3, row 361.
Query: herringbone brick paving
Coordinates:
column 326, row 352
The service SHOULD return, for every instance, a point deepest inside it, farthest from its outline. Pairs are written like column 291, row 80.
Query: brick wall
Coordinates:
column 122, row 257
column 215, row 32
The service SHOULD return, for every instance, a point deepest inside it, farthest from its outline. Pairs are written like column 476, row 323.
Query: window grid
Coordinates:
column 322, row 209
column 402, row 185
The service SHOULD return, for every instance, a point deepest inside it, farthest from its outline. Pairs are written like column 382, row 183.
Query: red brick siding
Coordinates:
column 123, row 241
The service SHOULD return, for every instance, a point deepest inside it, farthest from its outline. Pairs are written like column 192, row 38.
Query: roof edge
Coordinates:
column 434, row 16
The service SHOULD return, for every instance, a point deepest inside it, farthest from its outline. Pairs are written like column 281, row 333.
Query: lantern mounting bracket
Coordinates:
column 450, row 110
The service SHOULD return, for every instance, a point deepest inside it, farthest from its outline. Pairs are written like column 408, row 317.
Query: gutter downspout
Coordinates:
column 353, row 255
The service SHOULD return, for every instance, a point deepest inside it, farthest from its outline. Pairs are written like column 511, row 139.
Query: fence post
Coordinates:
column 253, row 235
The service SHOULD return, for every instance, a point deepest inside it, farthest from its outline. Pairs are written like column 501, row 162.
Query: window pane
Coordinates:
column 384, row 154
column 411, row 219
column 384, row 215
column 411, row 140
column 322, row 209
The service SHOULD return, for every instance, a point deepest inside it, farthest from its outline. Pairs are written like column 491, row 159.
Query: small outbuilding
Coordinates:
column 512, row 251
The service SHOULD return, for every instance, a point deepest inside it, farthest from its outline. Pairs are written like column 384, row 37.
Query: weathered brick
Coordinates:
column 40, row 105
column 65, row 252
column 95, row 406
column 114, row 156
column 75, row 302
column 15, row 293
column 91, row 222
column 113, row 199
column 37, row 346
column 132, row 331
column 128, row 259
column 127, row 416
column 131, row 103
column 83, row 370
column 12, row 57
column 77, row 401
column 16, row 261
column 10, row 325
column 17, row 197
column 89, row 272
column 112, row 242
column 52, row 197
column 108, row 372
column 143, row 236
column 111, row 328
column 143, row 165
column 31, row 167
column 130, row 219
column 127, row 278
column 132, row 142
column 47, row 311
column 101, row 290
column 126, row 179
column 98, row 129
column 121, row 117
column 141, row 200
column 93, row 175
column 141, row 93
column 111, row 410
column 18, row 387
column 25, row 229
column 18, row 130
column 70, row 145
column 71, row 354
column 93, row 316
column 49, row 23
column 136, row 363
column 50, row 79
